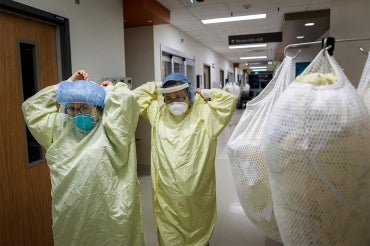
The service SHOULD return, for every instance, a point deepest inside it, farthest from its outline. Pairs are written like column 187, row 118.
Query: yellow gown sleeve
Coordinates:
column 218, row 110
column 120, row 119
column 147, row 95
column 39, row 112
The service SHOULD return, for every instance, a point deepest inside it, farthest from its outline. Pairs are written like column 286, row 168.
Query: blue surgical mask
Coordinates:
column 84, row 122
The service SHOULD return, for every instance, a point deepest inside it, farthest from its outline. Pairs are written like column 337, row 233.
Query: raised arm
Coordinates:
column 145, row 95
column 121, row 113
column 218, row 110
column 39, row 112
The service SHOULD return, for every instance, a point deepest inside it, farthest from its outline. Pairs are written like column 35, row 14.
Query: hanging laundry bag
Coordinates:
column 232, row 88
column 364, row 84
column 245, row 151
column 317, row 146
column 364, row 91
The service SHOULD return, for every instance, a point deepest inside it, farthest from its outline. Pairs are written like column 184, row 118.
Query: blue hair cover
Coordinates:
column 81, row 91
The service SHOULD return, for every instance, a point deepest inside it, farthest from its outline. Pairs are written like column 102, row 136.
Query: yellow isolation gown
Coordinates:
column 95, row 189
column 182, row 164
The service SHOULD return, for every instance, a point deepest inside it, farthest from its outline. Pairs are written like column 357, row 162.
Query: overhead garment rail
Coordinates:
column 363, row 51
column 325, row 43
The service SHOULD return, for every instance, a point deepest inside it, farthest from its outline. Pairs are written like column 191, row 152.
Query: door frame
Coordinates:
column 61, row 22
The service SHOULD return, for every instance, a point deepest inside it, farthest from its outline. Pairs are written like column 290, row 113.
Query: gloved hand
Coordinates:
column 205, row 93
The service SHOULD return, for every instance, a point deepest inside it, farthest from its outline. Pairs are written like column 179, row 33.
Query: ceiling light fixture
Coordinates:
column 234, row 18
column 262, row 67
column 300, row 37
column 259, row 70
column 309, row 24
column 253, row 57
column 247, row 46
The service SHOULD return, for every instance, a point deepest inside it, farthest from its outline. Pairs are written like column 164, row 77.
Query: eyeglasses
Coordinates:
column 82, row 109
column 169, row 100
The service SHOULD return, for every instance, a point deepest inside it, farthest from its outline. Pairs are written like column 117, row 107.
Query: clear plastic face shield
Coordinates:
column 176, row 98
column 81, row 106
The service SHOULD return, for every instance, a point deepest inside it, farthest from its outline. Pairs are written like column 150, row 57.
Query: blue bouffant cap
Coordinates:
column 176, row 77
column 179, row 77
column 81, row 91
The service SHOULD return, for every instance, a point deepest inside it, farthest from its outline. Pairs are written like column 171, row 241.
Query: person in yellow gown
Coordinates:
column 91, row 153
column 185, row 124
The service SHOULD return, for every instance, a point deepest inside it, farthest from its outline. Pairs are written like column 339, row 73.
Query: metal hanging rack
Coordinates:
column 325, row 43
column 363, row 51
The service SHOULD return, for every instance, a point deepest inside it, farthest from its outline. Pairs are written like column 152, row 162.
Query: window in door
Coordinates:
column 222, row 78
column 190, row 70
column 176, row 62
column 27, row 52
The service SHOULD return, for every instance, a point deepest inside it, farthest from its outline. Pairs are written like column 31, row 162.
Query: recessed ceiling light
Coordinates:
column 300, row 37
column 309, row 24
column 234, row 18
column 247, row 46
column 259, row 70
column 253, row 57
column 262, row 67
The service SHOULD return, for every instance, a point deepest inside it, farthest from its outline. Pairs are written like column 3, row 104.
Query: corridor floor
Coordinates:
column 233, row 227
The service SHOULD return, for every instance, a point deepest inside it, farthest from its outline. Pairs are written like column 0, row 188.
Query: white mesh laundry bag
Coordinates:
column 245, row 151
column 232, row 88
column 317, row 146
column 364, row 91
column 364, row 84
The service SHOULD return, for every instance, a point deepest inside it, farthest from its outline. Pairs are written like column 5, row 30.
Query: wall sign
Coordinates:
column 256, row 38
column 255, row 63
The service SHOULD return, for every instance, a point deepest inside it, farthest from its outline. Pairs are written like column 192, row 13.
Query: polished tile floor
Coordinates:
column 233, row 227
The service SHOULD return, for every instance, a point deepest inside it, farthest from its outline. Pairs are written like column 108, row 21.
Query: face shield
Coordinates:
column 176, row 98
column 178, row 93
column 81, row 104
column 177, row 82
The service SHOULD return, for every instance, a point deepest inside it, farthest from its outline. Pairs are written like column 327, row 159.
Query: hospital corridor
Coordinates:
column 185, row 123
column 232, row 227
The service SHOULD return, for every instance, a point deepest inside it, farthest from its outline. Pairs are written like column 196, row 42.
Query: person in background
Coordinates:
column 91, row 154
column 184, row 131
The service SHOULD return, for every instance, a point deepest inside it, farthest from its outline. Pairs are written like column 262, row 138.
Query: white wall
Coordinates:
column 307, row 54
column 171, row 37
column 139, row 48
column 96, row 33
column 349, row 20
column 139, row 51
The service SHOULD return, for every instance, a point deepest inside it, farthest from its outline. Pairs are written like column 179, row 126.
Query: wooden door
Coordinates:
column 25, row 206
column 222, row 78
column 207, row 76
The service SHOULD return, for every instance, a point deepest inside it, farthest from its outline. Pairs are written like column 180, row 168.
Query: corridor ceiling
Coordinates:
column 286, row 16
